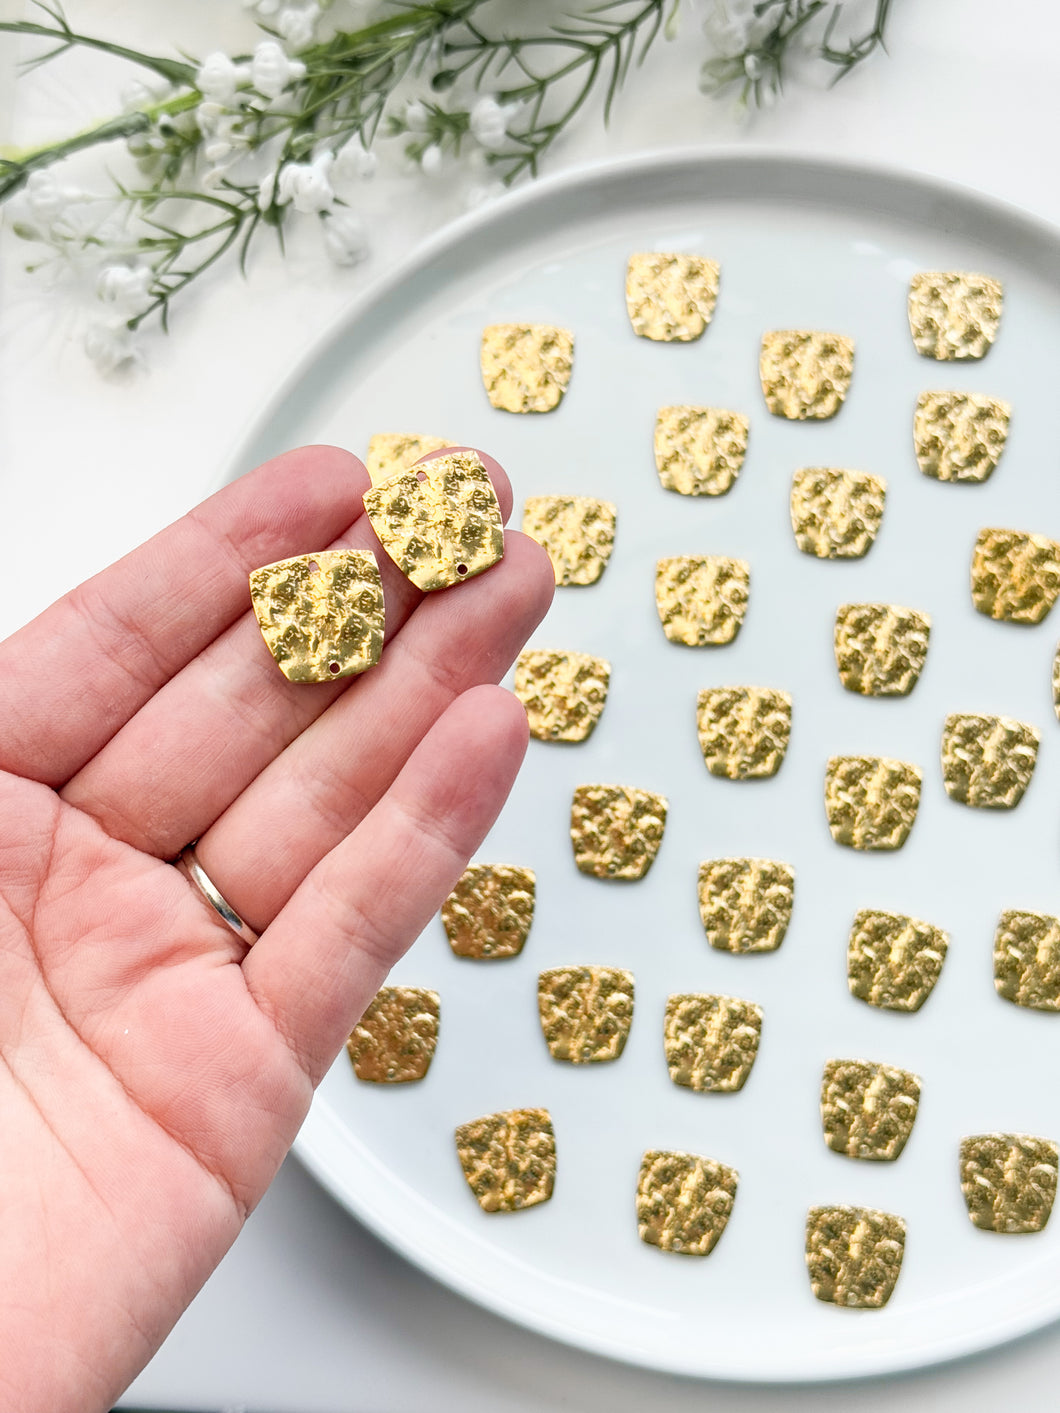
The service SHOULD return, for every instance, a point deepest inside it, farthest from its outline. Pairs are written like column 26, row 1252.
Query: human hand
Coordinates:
column 154, row 1072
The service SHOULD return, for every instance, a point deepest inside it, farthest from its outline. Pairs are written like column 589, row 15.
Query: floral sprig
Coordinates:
column 225, row 148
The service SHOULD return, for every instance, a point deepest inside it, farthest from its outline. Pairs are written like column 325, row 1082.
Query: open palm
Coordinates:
column 154, row 1072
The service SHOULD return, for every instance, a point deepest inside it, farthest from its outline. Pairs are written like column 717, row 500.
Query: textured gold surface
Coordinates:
column 893, row 961
column 836, row 514
column 959, row 436
column 701, row 599
column 987, row 761
column 953, row 314
column 563, row 693
column 585, row 1012
column 854, row 1255
column 509, row 1159
column 867, row 1110
column 616, row 831
column 880, row 649
column 805, row 374
column 745, row 904
column 684, row 1201
column 670, row 297
column 743, row 731
column 526, row 367
column 1056, row 684
column 699, row 450
column 390, row 453
column 1015, row 576
column 321, row 615
column 441, row 523
column 1008, row 1181
column 489, row 912
column 394, row 1040
column 711, row 1041
column 871, row 802
column 1027, row 960
column 577, row 531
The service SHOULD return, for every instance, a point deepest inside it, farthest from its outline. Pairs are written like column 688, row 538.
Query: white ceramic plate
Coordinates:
column 801, row 244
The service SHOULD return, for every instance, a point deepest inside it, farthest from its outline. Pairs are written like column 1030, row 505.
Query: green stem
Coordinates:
column 171, row 69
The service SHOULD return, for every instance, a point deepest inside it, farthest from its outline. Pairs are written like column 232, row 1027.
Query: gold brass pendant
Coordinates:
column 616, row 830
column 509, row 1159
column 395, row 1039
column 854, row 1255
column 564, row 693
column 699, row 450
column 1015, row 576
column 805, row 374
column 390, row 453
column 959, row 436
column 586, row 1012
column 743, row 731
column 871, row 802
column 684, row 1201
column 670, row 297
column 1008, row 1181
column 526, row 367
column 868, row 1110
column 745, row 904
column 953, row 314
column 880, row 649
column 321, row 615
column 1027, row 960
column 894, row 961
column 988, row 761
column 836, row 514
column 489, row 912
column 440, row 523
column 578, row 533
column 701, row 599
column 711, row 1042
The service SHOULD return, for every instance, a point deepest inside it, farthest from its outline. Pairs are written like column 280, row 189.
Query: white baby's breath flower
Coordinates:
column 218, row 78
column 488, row 121
column 306, row 185
column 298, row 26
column 431, row 160
column 46, row 200
column 126, row 287
column 271, row 71
column 345, row 237
column 417, row 119
column 110, row 345
column 353, row 163
column 752, row 67
column 266, row 191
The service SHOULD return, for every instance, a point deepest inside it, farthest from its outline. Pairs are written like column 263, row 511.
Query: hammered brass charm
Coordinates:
column 578, row 533
column 616, row 831
column 959, row 436
column 440, row 523
column 670, row 297
column 894, row 961
column 699, row 450
column 743, row 731
column 745, row 904
column 1027, row 960
column 868, row 1110
column 509, row 1159
column 526, row 367
column 711, row 1042
column 563, row 693
column 880, row 649
column 836, row 514
column 701, row 599
column 1015, row 577
column 805, row 374
column 391, row 453
column 953, row 314
column 586, row 1012
column 489, row 912
column 394, row 1041
column 684, row 1201
column 1008, row 1181
column 321, row 615
column 871, row 802
column 988, row 761
column 854, row 1255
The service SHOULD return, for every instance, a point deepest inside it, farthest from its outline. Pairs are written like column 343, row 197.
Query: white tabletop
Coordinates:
column 309, row 1313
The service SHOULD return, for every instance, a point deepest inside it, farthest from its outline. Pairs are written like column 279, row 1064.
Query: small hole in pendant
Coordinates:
column 314, row 567
column 334, row 667
column 421, row 475
column 461, row 568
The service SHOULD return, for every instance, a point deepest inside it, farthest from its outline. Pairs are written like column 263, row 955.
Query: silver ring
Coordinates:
column 193, row 871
